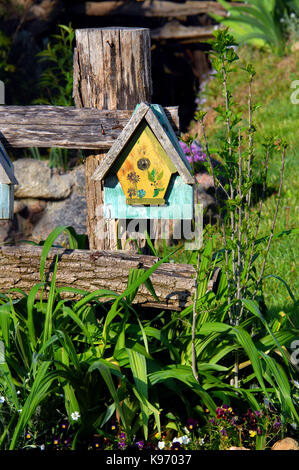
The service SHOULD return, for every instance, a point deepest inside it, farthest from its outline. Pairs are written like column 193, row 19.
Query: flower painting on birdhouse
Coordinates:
column 145, row 169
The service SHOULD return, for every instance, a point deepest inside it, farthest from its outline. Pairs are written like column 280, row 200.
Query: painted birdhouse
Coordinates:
column 145, row 173
column 7, row 182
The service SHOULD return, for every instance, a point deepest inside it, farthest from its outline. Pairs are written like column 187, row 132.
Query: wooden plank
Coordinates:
column 92, row 270
column 185, row 34
column 67, row 127
column 149, row 8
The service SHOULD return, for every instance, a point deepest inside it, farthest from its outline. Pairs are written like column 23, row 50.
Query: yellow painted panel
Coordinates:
column 146, row 170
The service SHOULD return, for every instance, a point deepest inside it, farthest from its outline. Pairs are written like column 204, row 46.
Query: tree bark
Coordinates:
column 112, row 70
column 87, row 270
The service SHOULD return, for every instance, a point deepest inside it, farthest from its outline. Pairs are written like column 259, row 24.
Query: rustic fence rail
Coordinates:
column 68, row 127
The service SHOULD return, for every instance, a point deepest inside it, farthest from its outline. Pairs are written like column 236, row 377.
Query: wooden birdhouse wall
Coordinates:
column 6, row 201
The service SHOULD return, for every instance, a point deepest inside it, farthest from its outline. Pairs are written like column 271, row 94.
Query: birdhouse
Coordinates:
column 145, row 174
column 7, row 182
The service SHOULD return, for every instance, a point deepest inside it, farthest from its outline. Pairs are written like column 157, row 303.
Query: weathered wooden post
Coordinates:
column 112, row 70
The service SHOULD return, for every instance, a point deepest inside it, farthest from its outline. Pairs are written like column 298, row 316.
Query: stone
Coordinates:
column 286, row 444
column 62, row 202
column 237, row 448
column 38, row 181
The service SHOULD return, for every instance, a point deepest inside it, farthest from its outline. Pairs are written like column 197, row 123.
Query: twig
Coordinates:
column 273, row 223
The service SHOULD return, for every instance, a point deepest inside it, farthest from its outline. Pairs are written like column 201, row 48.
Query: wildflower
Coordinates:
column 194, row 153
column 182, row 440
column 252, row 433
column 64, row 424
column 296, row 383
column 277, row 424
column 258, row 414
column 75, row 415
column 292, row 15
column 28, row 435
column 213, row 421
column 42, row 447
column 121, row 445
column 185, row 440
column 161, row 445
column 294, row 425
column 191, row 424
column 66, row 442
column 56, row 441
column 282, row 20
column 140, row 444
column 122, row 436
column 96, row 443
column 201, row 441
column 223, row 432
column 176, row 446
column 2, row 399
column 113, row 427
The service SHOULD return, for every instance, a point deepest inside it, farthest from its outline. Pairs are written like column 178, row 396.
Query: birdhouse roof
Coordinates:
column 6, row 168
column 156, row 119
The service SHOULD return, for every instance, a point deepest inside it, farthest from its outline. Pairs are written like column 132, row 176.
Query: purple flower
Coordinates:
column 191, row 424
column 140, row 444
column 194, row 153
column 122, row 436
column 277, row 424
column 223, row 432
column 176, row 446
column 121, row 445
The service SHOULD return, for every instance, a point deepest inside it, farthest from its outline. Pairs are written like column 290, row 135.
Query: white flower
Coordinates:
column 296, row 383
column 294, row 425
column 75, row 415
column 282, row 20
column 292, row 15
column 161, row 445
column 183, row 440
column 186, row 430
column 2, row 399
column 42, row 447
column 20, row 411
column 201, row 442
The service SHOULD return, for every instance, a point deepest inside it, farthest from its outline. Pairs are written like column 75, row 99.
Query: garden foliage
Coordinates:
column 100, row 372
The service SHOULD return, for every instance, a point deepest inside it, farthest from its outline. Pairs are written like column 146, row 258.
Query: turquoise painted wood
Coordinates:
column 178, row 197
column 6, row 201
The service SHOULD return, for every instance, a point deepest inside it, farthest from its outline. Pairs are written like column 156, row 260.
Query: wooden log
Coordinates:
column 68, row 127
column 149, row 8
column 92, row 270
column 112, row 70
column 184, row 34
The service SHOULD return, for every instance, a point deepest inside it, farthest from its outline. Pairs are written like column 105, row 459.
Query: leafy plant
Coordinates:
column 56, row 83
column 257, row 22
